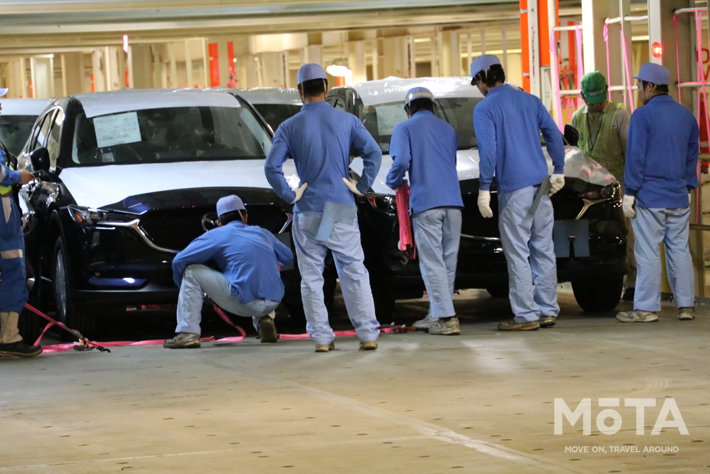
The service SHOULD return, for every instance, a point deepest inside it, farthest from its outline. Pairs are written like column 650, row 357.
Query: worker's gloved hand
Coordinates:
column 352, row 184
column 628, row 205
column 25, row 177
column 557, row 182
column 484, row 203
column 299, row 192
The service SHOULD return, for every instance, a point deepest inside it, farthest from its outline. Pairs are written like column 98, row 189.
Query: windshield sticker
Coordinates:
column 117, row 129
column 388, row 116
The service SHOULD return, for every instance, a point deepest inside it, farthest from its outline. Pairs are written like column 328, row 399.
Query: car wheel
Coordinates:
column 602, row 294
column 498, row 291
column 74, row 316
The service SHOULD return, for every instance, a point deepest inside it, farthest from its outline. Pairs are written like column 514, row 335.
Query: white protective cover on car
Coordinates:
column 270, row 95
column 98, row 186
column 31, row 107
column 126, row 100
column 393, row 89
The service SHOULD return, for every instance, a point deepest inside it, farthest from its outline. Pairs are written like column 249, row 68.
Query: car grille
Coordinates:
column 175, row 228
column 567, row 205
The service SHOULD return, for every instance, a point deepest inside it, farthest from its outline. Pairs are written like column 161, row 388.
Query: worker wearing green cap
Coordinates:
column 603, row 128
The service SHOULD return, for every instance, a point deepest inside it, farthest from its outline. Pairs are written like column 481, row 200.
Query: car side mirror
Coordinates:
column 571, row 135
column 40, row 160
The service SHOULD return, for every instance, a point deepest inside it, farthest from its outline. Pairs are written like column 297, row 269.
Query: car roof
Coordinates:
column 270, row 95
column 394, row 89
column 125, row 100
column 31, row 107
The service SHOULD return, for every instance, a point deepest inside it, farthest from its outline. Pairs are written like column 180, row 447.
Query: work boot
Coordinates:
column 8, row 328
column 368, row 345
column 267, row 329
column 637, row 316
column 445, row 327
column 686, row 314
column 513, row 325
column 183, row 340
column 424, row 323
column 325, row 347
column 629, row 294
column 20, row 348
column 547, row 321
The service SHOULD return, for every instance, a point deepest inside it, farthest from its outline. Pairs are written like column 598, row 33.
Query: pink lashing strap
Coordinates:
column 627, row 67
column 406, row 242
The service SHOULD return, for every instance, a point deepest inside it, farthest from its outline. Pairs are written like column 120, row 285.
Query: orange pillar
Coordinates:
column 524, row 42
column 214, row 64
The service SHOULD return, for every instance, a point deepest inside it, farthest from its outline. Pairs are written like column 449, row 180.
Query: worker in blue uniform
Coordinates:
column 425, row 146
column 319, row 139
column 247, row 284
column 508, row 123
column 13, row 279
column 661, row 164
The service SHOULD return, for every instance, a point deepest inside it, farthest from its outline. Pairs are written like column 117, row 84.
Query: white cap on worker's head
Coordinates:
column 3, row 91
column 654, row 73
column 483, row 62
column 418, row 93
column 229, row 204
column 310, row 71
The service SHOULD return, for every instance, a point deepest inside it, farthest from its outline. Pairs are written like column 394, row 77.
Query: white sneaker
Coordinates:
column 686, row 314
column 424, row 323
column 637, row 317
column 445, row 328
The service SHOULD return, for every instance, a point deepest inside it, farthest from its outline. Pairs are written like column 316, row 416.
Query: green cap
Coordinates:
column 594, row 88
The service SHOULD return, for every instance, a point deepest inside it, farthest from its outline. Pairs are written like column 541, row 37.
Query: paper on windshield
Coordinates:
column 388, row 116
column 117, row 129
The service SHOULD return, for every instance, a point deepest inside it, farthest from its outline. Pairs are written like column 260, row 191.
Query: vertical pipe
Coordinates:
column 469, row 47
column 504, row 40
column 188, row 63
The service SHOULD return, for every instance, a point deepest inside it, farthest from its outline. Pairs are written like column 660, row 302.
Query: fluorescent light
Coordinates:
column 338, row 71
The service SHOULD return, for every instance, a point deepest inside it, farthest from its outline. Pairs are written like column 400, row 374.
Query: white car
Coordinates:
column 590, row 230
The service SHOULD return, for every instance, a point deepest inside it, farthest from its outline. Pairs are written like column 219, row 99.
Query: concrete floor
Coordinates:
column 481, row 402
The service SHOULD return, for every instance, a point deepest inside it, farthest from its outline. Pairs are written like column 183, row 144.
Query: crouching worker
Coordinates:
column 248, row 283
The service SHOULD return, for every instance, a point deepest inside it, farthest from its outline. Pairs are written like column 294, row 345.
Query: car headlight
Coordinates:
column 383, row 202
column 90, row 216
column 611, row 192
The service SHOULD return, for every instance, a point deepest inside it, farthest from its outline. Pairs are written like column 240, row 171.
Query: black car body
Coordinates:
column 126, row 180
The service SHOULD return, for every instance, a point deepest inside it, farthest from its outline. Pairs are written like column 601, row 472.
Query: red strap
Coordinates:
column 405, row 224
column 226, row 319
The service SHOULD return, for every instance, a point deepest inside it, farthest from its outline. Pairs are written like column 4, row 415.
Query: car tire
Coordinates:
column 498, row 291
column 601, row 294
column 74, row 316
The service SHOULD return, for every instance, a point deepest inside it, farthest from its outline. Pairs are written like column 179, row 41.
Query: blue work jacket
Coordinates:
column 661, row 154
column 508, row 123
column 319, row 139
column 426, row 146
column 248, row 255
column 11, row 237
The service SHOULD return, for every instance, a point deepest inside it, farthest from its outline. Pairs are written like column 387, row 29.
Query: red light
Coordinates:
column 657, row 50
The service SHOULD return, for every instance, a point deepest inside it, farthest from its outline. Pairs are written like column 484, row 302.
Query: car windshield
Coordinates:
column 380, row 120
column 169, row 134
column 14, row 131
column 275, row 114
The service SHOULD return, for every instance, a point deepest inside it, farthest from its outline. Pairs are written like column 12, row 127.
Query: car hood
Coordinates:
column 576, row 166
column 99, row 186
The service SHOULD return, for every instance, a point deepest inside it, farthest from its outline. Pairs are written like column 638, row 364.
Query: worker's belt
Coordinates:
column 7, row 194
